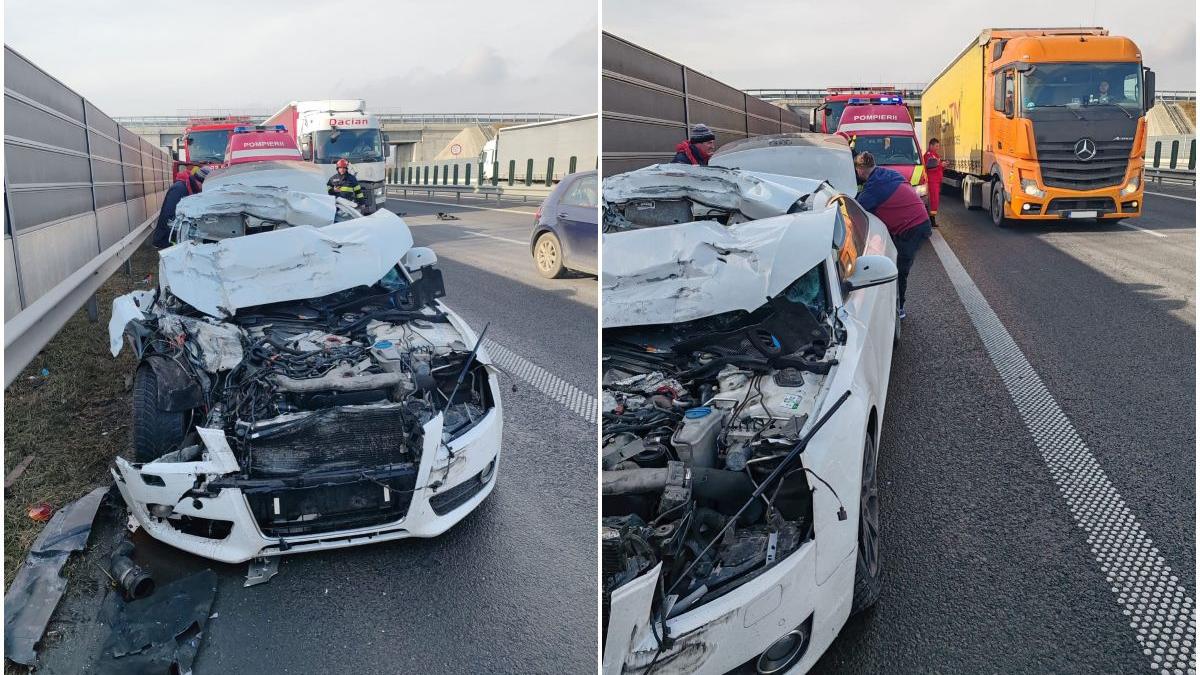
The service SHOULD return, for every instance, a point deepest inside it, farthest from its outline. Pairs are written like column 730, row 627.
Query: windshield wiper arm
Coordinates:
column 1115, row 105
column 1061, row 105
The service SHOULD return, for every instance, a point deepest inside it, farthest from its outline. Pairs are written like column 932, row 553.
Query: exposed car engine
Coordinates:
column 696, row 415
column 336, row 387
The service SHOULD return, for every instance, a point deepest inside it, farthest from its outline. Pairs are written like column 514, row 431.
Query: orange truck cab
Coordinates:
column 1044, row 123
column 883, row 127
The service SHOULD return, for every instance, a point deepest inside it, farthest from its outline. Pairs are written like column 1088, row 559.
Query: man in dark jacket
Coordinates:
column 343, row 184
column 699, row 146
column 888, row 195
column 183, row 186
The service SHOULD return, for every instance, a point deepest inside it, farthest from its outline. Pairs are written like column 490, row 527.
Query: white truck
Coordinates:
column 333, row 129
column 561, row 139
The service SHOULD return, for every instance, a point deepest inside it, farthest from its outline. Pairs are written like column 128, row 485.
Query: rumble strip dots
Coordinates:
column 1159, row 609
column 571, row 397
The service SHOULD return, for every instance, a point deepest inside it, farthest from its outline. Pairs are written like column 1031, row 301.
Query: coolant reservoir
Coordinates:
column 696, row 438
column 388, row 355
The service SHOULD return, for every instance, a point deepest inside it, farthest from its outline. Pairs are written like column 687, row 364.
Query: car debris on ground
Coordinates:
column 38, row 586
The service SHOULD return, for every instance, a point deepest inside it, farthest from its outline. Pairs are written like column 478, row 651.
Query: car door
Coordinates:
column 576, row 223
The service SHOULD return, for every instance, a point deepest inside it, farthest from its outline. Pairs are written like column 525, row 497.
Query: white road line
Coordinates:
column 1142, row 229
column 492, row 236
column 457, row 205
column 1160, row 611
column 1163, row 194
column 571, row 397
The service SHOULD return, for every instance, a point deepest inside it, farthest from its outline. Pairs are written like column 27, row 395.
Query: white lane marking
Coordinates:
column 571, row 397
column 457, row 205
column 1142, row 229
column 1163, row 194
column 1158, row 607
column 492, row 236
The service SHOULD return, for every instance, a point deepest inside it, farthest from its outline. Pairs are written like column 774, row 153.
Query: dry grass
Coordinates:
column 73, row 421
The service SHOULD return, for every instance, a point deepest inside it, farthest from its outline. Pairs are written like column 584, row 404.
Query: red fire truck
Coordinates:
column 204, row 141
column 825, row 117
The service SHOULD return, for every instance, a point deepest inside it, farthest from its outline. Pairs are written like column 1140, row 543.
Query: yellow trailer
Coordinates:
column 1043, row 123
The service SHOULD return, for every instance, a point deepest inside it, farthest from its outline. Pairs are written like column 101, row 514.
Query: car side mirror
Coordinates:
column 419, row 257
column 871, row 270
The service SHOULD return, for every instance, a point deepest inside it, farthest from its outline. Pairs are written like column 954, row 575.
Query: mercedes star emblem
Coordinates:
column 1085, row 149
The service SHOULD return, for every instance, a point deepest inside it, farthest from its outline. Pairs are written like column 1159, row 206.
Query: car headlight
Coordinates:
column 1134, row 181
column 922, row 189
column 1030, row 187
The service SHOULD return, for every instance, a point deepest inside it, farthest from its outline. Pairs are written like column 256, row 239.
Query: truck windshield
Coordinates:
column 207, row 146
column 357, row 145
column 889, row 149
column 1082, row 85
column 833, row 114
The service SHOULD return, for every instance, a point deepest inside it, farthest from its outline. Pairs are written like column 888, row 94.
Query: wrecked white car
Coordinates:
column 300, row 385
column 749, row 321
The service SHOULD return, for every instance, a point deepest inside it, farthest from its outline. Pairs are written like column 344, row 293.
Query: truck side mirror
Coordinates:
column 1148, row 91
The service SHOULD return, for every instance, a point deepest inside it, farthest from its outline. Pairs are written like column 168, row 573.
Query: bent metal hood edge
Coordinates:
column 677, row 273
column 289, row 264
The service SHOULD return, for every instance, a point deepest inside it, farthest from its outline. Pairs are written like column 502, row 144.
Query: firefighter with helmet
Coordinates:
column 344, row 184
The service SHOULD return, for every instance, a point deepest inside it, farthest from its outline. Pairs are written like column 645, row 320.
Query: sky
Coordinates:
column 173, row 57
column 776, row 44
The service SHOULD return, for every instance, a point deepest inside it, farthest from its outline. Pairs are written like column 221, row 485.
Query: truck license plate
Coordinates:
column 1082, row 214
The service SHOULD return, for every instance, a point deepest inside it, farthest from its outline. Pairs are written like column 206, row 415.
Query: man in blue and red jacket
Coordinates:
column 888, row 195
column 699, row 146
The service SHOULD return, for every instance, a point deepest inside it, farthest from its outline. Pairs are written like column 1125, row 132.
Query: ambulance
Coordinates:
column 883, row 126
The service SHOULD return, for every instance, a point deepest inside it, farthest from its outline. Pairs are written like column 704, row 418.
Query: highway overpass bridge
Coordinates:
column 412, row 137
column 1178, row 105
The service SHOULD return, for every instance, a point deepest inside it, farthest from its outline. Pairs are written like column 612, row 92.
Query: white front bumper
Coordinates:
column 720, row 635
column 472, row 452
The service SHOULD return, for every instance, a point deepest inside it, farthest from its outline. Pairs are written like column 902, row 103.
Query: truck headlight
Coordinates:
column 1132, row 186
column 379, row 192
column 1030, row 187
column 922, row 190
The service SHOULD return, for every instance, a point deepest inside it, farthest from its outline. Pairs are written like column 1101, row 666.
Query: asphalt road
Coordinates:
column 985, row 568
column 510, row 589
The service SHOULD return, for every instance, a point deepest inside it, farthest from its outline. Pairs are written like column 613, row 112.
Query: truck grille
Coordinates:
column 1100, row 206
column 1061, row 168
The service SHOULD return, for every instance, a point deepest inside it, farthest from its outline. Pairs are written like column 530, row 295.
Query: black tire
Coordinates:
column 155, row 432
column 997, row 210
column 547, row 256
column 867, row 572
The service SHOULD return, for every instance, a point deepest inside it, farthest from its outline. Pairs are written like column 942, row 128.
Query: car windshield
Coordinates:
column 889, row 149
column 1049, row 85
column 357, row 145
column 207, row 146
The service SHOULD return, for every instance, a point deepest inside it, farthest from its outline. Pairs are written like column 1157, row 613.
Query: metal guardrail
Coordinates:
column 485, row 192
column 450, row 173
column 401, row 118
column 1171, row 176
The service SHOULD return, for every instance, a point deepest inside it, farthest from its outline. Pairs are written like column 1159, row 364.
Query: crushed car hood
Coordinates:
column 755, row 196
column 290, row 264
column 293, row 175
column 677, row 273
column 269, row 203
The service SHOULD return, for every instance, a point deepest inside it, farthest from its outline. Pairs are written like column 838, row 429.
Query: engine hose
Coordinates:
column 707, row 483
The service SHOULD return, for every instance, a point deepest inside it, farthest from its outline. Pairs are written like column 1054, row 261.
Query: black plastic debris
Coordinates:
column 38, row 586
column 446, row 216
column 159, row 634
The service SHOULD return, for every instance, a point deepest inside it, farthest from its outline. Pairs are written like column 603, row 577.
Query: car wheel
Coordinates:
column 867, row 578
column 155, row 432
column 547, row 256
column 998, row 218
